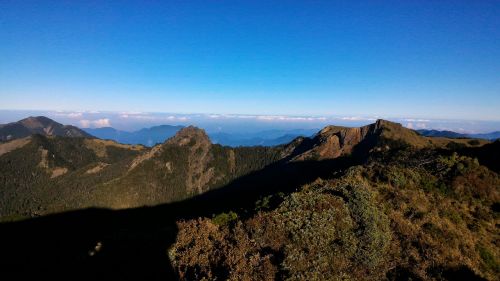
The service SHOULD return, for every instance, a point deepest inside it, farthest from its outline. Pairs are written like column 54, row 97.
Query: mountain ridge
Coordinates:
column 379, row 202
column 450, row 134
column 145, row 136
column 104, row 173
column 39, row 125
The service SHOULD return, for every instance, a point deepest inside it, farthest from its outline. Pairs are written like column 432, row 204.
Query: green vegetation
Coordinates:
column 396, row 206
column 405, row 213
column 225, row 218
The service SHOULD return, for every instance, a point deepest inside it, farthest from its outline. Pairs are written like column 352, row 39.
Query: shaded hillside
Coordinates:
column 38, row 125
column 384, row 208
column 43, row 175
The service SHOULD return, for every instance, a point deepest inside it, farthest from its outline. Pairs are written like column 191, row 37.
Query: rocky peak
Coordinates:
column 334, row 141
column 189, row 135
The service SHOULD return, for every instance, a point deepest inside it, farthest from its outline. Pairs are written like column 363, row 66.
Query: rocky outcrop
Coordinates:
column 335, row 141
column 199, row 172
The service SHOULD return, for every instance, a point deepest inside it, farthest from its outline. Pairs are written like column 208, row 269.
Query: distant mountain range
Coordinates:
column 38, row 125
column 158, row 134
column 455, row 135
column 146, row 136
column 263, row 138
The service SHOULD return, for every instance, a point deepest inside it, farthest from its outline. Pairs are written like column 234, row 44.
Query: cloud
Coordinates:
column 179, row 118
column 416, row 120
column 416, row 126
column 99, row 123
column 357, row 118
column 133, row 112
column 288, row 118
column 147, row 117
column 75, row 115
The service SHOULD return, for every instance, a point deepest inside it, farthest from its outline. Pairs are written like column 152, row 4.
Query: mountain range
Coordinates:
column 455, row 135
column 377, row 202
column 158, row 134
column 146, row 136
column 70, row 173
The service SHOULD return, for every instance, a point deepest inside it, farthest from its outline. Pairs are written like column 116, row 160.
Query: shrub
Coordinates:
column 474, row 142
column 488, row 258
column 225, row 218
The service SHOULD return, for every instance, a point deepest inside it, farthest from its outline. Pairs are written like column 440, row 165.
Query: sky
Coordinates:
column 426, row 60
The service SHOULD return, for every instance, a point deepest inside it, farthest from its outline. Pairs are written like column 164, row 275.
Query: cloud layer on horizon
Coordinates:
column 133, row 120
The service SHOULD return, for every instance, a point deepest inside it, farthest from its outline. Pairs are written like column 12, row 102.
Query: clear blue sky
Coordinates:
column 429, row 59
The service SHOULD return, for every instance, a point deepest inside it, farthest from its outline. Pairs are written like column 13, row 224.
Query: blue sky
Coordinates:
column 399, row 59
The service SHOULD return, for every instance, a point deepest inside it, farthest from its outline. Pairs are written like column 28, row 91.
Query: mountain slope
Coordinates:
column 74, row 173
column 38, row 125
column 378, row 202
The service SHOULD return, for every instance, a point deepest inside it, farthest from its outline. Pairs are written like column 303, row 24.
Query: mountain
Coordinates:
column 450, row 134
column 45, row 175
column 437, row 133
column 38, row 125
column 158, row 134
column 264, row 138
column 70, row 173
column 146, row 136
column 378, row 202
column 487, row 136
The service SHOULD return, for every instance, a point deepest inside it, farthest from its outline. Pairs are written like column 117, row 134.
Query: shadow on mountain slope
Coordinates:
column 132, row 244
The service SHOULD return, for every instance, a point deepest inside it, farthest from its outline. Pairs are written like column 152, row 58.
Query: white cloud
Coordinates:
column 147, row 117
column 288, row 118
column 357, row 118
column 85, row 123
column 421, row 125
column 69, row 114
column 75, row 115
column 178, row 118
column 416, row 120
column 99, row 123
column 416, row 126
column 132, row 112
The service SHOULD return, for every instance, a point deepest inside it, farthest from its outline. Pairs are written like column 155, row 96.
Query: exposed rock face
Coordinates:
column 197, row 144
column 38, row 125
column 335, row 141
column 199, row 155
